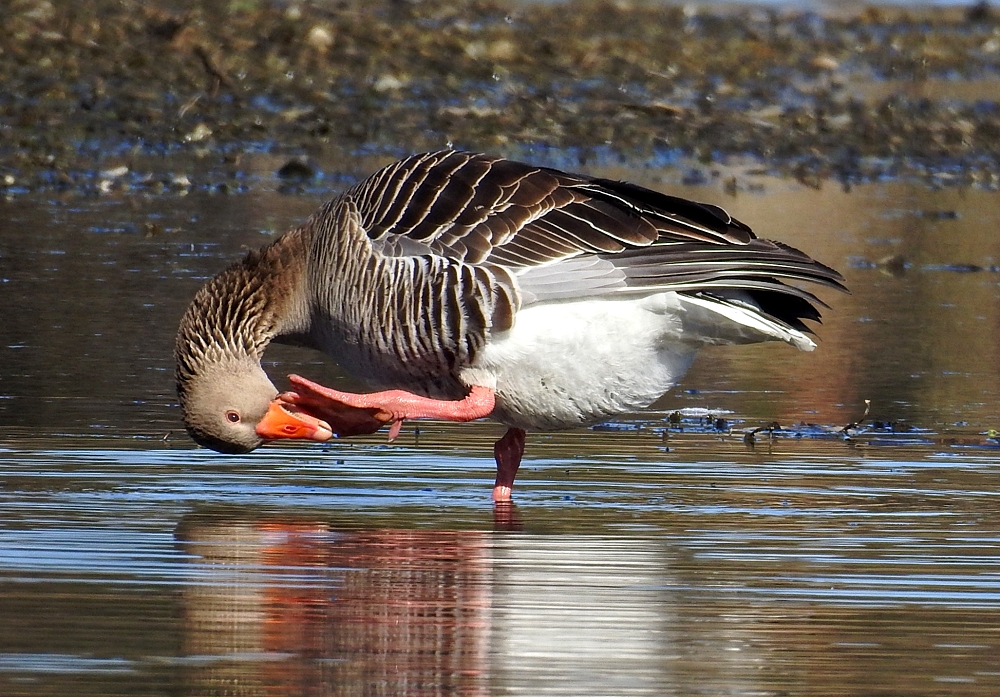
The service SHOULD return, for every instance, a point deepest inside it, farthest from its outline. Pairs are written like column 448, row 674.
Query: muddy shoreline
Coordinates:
column 170, row 96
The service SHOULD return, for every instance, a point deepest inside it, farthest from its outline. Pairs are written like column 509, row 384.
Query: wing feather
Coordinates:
column 469, row 207
column 595, row 236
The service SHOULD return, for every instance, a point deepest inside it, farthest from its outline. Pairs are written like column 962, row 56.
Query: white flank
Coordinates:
column 573, row 363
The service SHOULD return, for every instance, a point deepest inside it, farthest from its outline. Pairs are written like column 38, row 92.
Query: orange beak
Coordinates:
column 282, row 420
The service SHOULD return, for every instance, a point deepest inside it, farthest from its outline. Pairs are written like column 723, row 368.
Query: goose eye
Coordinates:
column 233, row 417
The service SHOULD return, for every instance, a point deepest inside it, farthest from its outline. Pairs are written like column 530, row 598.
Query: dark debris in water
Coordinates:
column 297, row 168
column 89, row 86
column 862, row 432
column 897, row 265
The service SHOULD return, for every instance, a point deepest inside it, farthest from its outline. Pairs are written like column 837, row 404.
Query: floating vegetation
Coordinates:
column 700, row 422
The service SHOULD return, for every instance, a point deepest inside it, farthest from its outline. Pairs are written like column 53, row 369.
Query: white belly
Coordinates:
column 574, row 363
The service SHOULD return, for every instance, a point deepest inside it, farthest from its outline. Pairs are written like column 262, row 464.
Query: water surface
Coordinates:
column 640, row 558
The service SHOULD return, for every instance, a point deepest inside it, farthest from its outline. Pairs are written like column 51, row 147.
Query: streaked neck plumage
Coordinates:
column 239, row 312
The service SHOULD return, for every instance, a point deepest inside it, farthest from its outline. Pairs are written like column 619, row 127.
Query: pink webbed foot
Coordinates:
column 351, row 414
column 508, row 452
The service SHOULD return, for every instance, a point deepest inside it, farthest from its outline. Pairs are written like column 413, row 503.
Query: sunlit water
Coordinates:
column 640, row 559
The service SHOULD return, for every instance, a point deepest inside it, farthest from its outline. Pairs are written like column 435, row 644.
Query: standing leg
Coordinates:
column 507, row 451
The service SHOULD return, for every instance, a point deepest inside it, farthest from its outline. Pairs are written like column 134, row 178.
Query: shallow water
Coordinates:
column 640, row 558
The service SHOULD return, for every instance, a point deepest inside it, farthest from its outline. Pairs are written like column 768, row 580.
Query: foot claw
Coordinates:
column 394, row 429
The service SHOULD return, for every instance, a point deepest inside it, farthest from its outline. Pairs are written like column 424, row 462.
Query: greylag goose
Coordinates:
column 462, row 286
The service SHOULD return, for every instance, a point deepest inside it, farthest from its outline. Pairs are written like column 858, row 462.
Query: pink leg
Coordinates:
column 507, row 451
column 392, row 406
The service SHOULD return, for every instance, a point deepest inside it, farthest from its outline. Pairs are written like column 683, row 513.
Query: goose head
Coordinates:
column 232, row 407
column 227, row 401
column 224, row 402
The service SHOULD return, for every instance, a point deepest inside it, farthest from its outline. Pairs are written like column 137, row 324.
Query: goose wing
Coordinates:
column 565, row 236
column 482, row 209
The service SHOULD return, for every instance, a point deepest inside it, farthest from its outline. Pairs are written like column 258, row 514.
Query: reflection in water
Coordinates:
column 279, row 607
column 296, row 608
column 812, row 577
column 589, row 607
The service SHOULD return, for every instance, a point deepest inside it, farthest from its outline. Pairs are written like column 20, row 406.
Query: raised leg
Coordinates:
column 351, row 414
column 507, row 451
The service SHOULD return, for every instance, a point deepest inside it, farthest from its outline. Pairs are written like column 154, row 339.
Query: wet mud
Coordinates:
column 90, row 90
